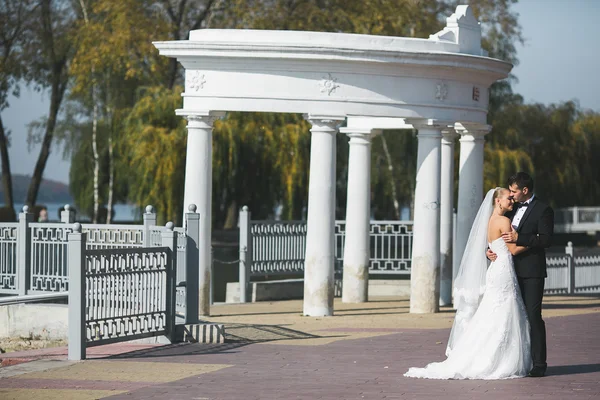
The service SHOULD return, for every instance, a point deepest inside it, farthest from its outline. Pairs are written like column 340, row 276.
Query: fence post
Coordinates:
column 194, row 278
column 212, row 274
column 169, row 239
column 67, row 216
column 77, row 293
column 245, row 253
column 24, row 251
column 570, row 267
column 149, row 220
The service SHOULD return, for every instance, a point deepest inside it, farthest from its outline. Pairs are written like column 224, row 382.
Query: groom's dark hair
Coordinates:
column 522, row 180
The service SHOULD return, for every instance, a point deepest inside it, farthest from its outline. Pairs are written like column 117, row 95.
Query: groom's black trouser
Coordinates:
column 532, row 290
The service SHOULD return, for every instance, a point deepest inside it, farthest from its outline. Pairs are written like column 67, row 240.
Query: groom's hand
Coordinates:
column 510, row 237
column 491, row 255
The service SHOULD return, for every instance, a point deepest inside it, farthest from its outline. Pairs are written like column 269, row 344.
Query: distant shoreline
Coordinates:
column 123, row 212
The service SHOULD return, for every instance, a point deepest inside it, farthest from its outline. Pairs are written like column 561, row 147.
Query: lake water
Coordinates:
column 123, row 212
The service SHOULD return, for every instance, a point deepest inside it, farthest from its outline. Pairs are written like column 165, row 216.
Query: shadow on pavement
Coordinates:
column 558, row 306
column 236, row 336
column 573, row 369
column 342, row 311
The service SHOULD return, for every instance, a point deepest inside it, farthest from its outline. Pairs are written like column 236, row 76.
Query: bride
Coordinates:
column 490, row 334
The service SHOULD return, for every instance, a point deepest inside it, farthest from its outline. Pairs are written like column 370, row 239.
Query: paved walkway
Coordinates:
column 274, row 353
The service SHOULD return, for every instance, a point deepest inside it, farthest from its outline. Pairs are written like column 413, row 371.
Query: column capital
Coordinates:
column 449, row 133
column 428, row 123
column 324, row 123
column 325, row 118
column 200, row 119
column 477, row 131
column 360, row 135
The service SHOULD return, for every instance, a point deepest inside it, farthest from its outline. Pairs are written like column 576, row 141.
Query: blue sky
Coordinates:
column 558, row 62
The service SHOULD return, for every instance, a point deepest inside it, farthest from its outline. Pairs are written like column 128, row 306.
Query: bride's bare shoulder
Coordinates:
column 499, row 221
column 503, row 221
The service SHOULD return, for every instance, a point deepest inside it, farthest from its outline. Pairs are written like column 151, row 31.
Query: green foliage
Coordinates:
column 154, row 142
column 262, row 159
column 402, row 148
column 555, row 143
column 81, row 180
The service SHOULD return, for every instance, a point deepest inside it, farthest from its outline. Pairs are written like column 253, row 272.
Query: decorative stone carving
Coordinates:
column 328, row 84
column 441, row 91
column 434, row 205
column 475, row 93
column 196, row 80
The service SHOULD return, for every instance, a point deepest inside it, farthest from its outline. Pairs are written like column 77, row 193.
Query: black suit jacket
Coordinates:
column 535, row 232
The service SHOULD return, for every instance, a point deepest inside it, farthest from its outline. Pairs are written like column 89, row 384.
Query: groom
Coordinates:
column 533, row 225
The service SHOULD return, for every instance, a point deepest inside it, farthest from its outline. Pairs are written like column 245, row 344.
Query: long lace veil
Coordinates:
column 469, row 284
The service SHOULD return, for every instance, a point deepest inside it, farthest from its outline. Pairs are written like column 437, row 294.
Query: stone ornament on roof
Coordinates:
column 463, row 29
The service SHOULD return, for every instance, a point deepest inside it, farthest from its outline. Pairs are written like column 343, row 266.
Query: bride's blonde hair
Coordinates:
column 497, row 193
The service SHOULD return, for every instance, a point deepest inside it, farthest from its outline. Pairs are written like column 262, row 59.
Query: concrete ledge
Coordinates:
column 293, row 289
column 42, row 321
column 50, row 322
column 287, row 289
column 389, row 287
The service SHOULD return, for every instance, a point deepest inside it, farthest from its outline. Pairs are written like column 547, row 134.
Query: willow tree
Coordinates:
column 260, row 160
column 556, row 143
column 154, row 142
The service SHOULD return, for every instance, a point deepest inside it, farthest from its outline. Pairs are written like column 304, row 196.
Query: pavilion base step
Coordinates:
column 292, row 289
column 201, row 333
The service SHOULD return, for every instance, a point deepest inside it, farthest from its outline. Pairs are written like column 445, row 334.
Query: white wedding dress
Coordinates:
column 495, row 342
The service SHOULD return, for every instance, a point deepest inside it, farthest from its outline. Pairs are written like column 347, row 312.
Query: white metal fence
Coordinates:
column 8, row 257
column 34, row 256
column 119, row 294
column 571, row 272
column 277, row 248
column 577, row 219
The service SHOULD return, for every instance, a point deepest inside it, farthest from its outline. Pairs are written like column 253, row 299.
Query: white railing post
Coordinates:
column 67, row 216
column 570, row 268
column 212, row 274
column 195, row 285
column 24, row 251
column 169, row 239
column 149, row 220
column 245, row 252
column 77, row 293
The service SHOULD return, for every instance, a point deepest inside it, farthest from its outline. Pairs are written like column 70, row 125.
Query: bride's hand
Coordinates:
column 510, row 237
column 491, row 255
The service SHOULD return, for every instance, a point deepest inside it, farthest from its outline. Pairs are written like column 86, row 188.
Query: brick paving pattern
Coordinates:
column 354, row 363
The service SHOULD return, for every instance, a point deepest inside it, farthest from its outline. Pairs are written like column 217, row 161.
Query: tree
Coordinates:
column 113, row 58
column 183, row 16
column 49, row 55
column 269, row 152
column 14, row 26
column 555, row 143
column 154, row 140
column 260, row 160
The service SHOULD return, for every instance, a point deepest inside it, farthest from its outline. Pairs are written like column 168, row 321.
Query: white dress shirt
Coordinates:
column 520, row 212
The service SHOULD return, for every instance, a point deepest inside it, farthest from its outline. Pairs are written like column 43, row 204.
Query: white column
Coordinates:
column 320, row 241
column 425, row 271
column 470, row 184
column 198, row 178
column 446, row 215
column 358, row 215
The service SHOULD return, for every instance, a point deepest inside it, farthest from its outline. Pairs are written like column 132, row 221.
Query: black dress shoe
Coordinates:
column 537, row 372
